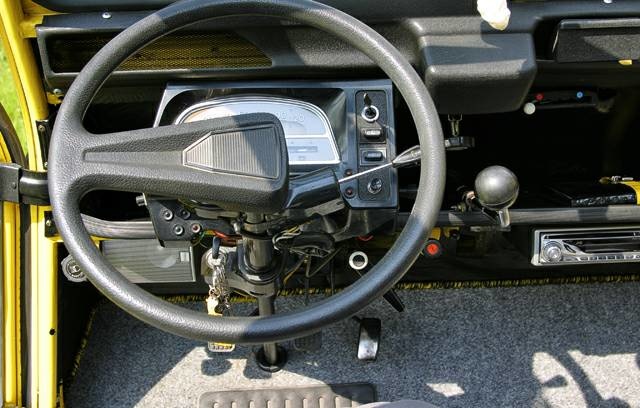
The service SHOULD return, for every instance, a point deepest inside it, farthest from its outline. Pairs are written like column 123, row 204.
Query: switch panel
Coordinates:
column 376, row 146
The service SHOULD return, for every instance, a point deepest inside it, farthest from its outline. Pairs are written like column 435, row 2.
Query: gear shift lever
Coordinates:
column 497, row 189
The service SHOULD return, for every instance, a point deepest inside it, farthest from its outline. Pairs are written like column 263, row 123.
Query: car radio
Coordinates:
column 580, row 246
column 347, row 126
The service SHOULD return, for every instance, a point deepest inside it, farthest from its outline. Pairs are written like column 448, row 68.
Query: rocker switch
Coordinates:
column 373, row 155
column 373, row 134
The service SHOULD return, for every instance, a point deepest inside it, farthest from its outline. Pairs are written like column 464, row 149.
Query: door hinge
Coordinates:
column 18, row 185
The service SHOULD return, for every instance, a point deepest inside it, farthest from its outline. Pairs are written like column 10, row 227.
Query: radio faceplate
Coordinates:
column 580, row 246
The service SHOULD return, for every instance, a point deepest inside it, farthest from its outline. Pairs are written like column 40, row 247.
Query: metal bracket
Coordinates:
column 173, row 222
column 44, row 135
column 9, row 180
column 18, row 185
column 50, row 229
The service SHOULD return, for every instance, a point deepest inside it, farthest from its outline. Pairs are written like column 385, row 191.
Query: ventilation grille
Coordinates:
column 145, row 261
column 68, row 54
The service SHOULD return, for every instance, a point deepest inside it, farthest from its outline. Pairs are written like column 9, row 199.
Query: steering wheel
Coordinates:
column 142, row 160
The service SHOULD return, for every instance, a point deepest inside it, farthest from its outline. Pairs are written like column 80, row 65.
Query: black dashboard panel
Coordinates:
column 467, row 65
column 363, row 9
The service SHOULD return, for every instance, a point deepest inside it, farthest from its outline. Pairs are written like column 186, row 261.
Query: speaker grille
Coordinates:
column 145, row 261
column 175, row 51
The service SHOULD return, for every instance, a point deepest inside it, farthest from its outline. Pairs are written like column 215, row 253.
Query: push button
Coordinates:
column 374, row 134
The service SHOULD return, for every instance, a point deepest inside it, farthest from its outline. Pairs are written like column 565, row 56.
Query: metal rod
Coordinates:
column 409, row 157
column 362, row 173
column 266, row 307
column 542, row 216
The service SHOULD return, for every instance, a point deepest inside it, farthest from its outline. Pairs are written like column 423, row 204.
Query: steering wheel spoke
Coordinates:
column 236, row 162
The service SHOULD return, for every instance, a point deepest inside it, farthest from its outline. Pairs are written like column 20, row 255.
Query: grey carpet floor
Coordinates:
column 538, row 346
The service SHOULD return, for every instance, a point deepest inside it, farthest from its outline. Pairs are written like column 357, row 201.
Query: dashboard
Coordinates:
column 338, row 111
column 468, row 66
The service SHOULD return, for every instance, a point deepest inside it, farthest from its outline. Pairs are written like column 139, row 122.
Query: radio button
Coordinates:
column 552, row 252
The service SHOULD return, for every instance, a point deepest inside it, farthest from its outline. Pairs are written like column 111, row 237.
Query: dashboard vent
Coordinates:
column 69, row 53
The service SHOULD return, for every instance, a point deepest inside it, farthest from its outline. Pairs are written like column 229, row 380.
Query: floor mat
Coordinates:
column 318, row 396
column 535, row 346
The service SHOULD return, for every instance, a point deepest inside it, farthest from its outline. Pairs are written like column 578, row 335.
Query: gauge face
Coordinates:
column 307, row 129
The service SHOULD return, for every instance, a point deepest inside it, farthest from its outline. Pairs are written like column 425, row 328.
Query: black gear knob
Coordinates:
column 496, row 188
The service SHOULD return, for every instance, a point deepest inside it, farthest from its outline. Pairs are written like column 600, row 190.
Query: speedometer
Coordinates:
column 309, row 135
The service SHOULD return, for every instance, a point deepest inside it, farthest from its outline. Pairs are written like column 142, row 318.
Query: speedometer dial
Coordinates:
column 309, row 135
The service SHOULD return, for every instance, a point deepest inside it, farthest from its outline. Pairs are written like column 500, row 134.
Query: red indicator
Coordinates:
column 433, row 249
column 539, row 97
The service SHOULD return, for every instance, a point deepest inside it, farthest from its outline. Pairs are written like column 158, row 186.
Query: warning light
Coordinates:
column 579, row 95
column 433, row 249
column 539, row 97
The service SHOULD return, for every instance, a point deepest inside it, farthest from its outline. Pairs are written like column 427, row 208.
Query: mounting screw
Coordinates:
column 348, row 172
column 41, row 128
column 184, row 213
column 72, row 270
column 57, row 92
column 48, row 223
column 167, row 215
column 14, row 185
column 196, row 228
column 46, row 165
column 349, row 192
column 106, row 15
column 178, row 230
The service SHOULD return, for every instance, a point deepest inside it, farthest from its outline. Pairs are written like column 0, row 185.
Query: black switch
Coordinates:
column 372, row 133
column 373, row 155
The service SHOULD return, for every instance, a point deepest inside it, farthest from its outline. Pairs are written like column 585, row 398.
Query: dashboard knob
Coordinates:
column 552, row 252
column 375, row 185
column 496, row 188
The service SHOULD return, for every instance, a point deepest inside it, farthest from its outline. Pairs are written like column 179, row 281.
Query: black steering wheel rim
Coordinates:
column 65, row 198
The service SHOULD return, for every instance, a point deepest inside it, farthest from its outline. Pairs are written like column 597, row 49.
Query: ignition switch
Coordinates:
column 370, row 112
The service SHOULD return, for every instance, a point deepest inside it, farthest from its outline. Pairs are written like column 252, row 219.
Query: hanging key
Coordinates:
column 218, row 303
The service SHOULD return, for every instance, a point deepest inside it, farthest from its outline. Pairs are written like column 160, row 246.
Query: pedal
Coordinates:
column 312, row 342
column 394, row 300
column 369, row 340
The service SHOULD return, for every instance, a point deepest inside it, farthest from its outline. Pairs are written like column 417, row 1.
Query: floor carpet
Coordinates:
column 534, row 346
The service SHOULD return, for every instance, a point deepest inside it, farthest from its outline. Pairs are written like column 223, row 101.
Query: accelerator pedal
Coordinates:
column 332, row 396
